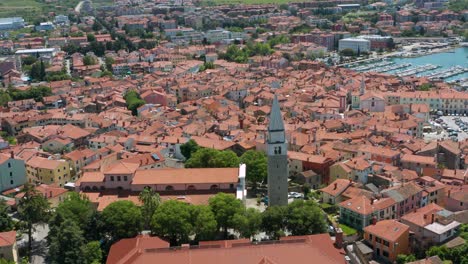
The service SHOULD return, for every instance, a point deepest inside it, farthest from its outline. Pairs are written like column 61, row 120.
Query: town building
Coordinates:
column 12, row 172
column 388, row 239
column 8, row 246
column 292, row 249
column 358, row 45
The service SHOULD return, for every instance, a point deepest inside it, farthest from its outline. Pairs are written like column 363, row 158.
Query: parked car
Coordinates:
column 295, row 195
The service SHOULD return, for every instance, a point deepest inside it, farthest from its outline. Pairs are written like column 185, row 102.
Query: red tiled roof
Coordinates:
column 7, row 238
column 186, row 176
column 287, row 250
column 390, row 230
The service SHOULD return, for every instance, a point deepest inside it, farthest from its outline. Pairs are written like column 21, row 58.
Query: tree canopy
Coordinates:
column 66, row 245
column 33, row 208
column 248, row 223
column 274, row 220
column 122, row 219
column 256, row 162
column 77, row 208
column 6, row 222
column 172, row 221
column 305, row 218
column 188, row 148
column 225, row 207
column 151, row 201
column 212, row 158
column 133, row 100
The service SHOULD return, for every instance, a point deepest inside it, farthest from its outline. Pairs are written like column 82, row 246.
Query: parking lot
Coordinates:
column 454, row 127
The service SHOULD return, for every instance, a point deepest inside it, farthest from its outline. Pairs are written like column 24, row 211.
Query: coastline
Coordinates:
column 428, row 52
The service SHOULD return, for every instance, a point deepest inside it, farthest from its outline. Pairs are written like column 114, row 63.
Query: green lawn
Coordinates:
column 347, row 230
column 27, row 9
column 98, row 3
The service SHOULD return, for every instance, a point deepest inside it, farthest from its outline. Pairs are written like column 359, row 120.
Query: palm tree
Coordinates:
column 151, row 201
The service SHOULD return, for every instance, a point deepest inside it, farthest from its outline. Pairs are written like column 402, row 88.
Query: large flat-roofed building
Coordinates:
column 11, row 23
column 355, row 44
column 46, row 54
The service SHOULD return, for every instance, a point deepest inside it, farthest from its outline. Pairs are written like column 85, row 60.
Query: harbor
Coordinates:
column 450, row 66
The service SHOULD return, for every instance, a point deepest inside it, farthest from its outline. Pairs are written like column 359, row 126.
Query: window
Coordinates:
column 385, row 253
column 9, row 165
column 386, row 243
column 125, row 178
column 169, row 188
column 11, row 182
column 370, row 237
column 11, row 174
column 112, row 178
column 119, row 178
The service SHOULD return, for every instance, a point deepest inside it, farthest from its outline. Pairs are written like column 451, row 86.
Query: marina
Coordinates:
column 416, row 70
column 450, row 66
column 369, row 67
column 393, row 67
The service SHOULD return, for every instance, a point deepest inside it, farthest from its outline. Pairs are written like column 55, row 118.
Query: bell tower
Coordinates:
column 277, row 158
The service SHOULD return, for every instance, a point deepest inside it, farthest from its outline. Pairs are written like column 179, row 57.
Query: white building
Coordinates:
column 356, row 44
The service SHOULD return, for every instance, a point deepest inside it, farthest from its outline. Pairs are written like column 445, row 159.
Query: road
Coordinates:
column 39, row 243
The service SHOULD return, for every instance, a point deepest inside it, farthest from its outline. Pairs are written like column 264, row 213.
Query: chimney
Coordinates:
column 12, row 154
column 374, row 220
column 449, row 192
column 371, row 201
column 339, row 238
column 335, row 186
column 432, row 218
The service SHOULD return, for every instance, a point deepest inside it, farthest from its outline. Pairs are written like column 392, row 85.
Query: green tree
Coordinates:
column 91, row 37
column 172, row 221
column 256, row 162
column 77, row 208
column 249, row 223
column 188, row 148
column 6, row 222
column 33, row 208
column 92, row 252
column 29, row 60
column 274, row 220
column 133, row 100
column 122, row 219
column 66, row 246
column 4, row 98
column 402, row 259
column 347, row 52
column 212, row 158
column 225, row 207
column 42, row 71
column 305, row 218
column 150, row 200
column 425, row 87
column 109, row 61
column 89, row 60
column 204, row 222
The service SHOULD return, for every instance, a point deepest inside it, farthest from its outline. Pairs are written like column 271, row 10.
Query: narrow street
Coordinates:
column 39, row 243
